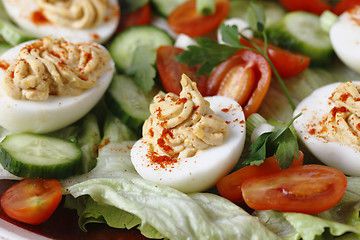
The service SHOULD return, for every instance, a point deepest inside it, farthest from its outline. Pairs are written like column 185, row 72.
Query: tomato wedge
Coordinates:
column 230, row 186
column 307, row 189
column 345, row 5
column 288, row 64
column 32, row 201
column 185, row 19
column 246, row 75
column 140, row 16
column 313, row 6
column 170, row 70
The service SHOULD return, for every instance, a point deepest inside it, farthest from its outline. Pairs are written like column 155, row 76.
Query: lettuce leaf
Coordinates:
column 113, row 162
column 293, row 226
column 173, row 214
column 123, row 199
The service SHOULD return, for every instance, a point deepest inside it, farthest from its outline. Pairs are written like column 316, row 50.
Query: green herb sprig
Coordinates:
column 282, row 143
column 208, row 54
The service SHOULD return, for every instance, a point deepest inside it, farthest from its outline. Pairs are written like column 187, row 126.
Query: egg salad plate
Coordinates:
column 186, row 119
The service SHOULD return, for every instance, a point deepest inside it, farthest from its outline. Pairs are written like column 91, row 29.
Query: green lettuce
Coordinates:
column 121, row 198
column 173, row 214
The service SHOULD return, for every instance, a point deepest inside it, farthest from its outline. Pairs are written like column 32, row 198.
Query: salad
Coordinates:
column 237, row 49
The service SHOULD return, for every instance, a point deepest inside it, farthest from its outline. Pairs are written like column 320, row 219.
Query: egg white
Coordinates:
column 314, row 108
column 20, row 11
column 202, row 171
column 344, row 36
column 52, row 114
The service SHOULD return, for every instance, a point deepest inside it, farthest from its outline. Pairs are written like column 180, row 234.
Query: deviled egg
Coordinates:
column 47, row 84
column 190, row 142
column 344, row 36
column 330, row 125
column 93, row 20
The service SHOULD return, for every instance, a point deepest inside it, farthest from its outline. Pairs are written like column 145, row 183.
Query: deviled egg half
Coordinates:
column 50, row 83
column 330, row 125
column 345, row 35
column 190, row 142
column 93, row 20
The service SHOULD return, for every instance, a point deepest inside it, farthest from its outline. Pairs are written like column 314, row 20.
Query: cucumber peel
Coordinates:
column 31, row 155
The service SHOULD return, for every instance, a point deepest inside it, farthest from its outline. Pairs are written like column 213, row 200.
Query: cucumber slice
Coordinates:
column 127, row 101
column 301, row 32
column 273, row 11
column 165, row 7
column 128, row 6
column 38, row 156
column 123, row 47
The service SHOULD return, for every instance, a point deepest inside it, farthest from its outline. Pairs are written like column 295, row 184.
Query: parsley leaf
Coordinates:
column 258, row 150
column 209, row 53
column 256, row 17
column 230, row 35
column 142, row 68
column 282, row 143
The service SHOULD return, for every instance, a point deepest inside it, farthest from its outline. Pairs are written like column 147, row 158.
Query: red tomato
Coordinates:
column 140, row 16
column 307, row 189
column 230, row 186
column 185, row 19
column 288, row 64
column 313, row 6
column 345, row 5
column 32, row 201
column 170, row 70
column 249, row 72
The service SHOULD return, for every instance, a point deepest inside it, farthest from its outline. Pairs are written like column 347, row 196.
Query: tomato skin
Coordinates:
column 170, row 70
column 345, row 5
column 229, row 186
column 32, row 201
column 288, row 64
column 140, row 16
column 307, row 189
column 262, row 71
column 185, row 19
column 313, row 6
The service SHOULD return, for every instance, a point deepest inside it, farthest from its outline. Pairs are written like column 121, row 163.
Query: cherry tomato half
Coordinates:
column 185, row 19
column 288, row 64
column 246, row 75
column 306, row 189
column 170, row 70
column 32, row 201
column 140, row 16
column 229, row 186
column 313, row 6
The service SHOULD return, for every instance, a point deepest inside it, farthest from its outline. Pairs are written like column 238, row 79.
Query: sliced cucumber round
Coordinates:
column 123, row 47
column 38, row 156
column 274, row 11
column 165, row 7
column 127, row 101
column 301, row 32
